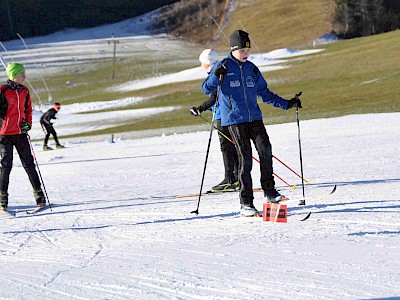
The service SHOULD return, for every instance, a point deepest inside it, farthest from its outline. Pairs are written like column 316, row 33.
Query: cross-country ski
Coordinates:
column 37, row 209
column 7, row 213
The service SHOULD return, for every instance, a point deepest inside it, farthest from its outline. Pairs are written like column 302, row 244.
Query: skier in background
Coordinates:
column 241, row 85
column 230, row 182
column 48, row 128
column 15, row 122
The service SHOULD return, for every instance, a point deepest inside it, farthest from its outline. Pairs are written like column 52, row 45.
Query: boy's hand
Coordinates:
column 195, row 111
column 221, row 70
column 294, row 102
column 25, row 126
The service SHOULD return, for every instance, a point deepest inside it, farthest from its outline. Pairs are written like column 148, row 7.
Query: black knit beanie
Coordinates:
column 239, row 40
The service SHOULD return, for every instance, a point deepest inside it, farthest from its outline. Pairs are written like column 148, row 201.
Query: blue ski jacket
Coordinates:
column 239, row 90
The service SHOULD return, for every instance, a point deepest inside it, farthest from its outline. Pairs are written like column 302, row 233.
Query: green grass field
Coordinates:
column 278, row 24
column 355, row 76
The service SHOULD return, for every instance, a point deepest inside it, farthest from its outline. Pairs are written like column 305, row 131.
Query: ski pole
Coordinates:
column 293, row 187
column 221, row 77
column 40, row 174
column 303, row 201
column 233, row 142
column 298, row 175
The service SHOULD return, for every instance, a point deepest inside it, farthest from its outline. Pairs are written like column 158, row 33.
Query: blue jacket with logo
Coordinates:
column 239, row 90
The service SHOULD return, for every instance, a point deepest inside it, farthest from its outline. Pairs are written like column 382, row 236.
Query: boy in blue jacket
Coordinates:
column 242, row 83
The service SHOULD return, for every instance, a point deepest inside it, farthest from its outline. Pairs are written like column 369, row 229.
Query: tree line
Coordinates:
column 41, row 17
column 355, row 18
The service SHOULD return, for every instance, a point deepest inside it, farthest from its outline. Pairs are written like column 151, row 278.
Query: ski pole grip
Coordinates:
column 298, row 95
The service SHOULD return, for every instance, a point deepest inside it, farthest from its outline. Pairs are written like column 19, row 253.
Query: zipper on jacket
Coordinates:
column 244, row 91
column 230, row 102
column 19, row 113
column 5, row 127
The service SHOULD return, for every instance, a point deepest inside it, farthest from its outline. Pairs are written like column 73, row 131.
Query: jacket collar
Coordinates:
column 231, row 57
column 13, row 85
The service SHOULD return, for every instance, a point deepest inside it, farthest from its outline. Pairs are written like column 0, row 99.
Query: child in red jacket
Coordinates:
column 15, row 122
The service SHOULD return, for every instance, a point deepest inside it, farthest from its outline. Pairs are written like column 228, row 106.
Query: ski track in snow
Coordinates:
column 108, row 237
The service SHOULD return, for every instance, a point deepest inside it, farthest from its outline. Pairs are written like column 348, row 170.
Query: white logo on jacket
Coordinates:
column 250, row 82
column 234, row 83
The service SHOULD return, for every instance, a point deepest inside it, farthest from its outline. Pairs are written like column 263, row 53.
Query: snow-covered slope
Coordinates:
column 115, row 234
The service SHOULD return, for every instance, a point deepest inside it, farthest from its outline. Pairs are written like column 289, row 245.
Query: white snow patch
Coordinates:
column 115, row 232
column 265, row 61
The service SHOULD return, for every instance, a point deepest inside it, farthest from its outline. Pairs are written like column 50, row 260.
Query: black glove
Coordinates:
column 221, row 70
column 25, row 126
column 294, row 102
column 195, row 111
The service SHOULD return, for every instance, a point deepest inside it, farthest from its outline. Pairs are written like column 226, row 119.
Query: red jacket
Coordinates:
column 15, row 106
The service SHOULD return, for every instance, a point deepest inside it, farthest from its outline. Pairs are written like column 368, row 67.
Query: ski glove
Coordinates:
column 195, row 111
column 221, row 70
column 294, row 102
column 25, row 126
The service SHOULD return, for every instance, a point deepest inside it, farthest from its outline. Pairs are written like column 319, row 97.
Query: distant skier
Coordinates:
column 230, row 182
column 48, row 128
column 242, row 83
column 15, row 122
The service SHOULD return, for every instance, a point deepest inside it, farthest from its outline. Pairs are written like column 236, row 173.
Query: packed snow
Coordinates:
column 71, row 122
column 116, row 231
column 121, row 227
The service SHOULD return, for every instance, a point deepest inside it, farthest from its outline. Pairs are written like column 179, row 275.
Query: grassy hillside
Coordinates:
column 272, row 24
column 279, row 23
column 349, row 77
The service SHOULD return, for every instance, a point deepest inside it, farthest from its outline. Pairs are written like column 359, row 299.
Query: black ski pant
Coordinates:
column 243, row 134
column 21, row 144
column 229, row 154
column 49, row 129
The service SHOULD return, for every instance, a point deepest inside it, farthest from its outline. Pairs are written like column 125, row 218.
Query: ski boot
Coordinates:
column 46, row 148
column 248, row 211
column 40, row 198
column 274, row 197
column 224, row 186
column 3, row 200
